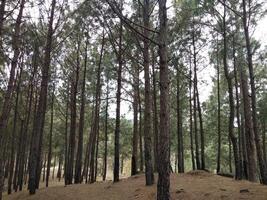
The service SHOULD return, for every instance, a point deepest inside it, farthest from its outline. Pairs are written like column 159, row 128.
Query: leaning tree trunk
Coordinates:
column 163, row 186
column 36, row 148
column 262, row 163
column 231, row 101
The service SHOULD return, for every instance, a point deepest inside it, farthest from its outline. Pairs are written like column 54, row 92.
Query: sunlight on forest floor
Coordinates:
column 197, row 185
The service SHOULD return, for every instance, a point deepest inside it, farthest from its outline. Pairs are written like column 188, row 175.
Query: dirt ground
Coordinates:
column 197, row 185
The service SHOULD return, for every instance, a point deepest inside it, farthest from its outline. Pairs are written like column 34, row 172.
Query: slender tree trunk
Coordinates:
column 13, row 142
column 163, row 186
column 59, row 170
column 36, row 148
column 140, row 131
column 180, row 142
column 195, row 99
column 95, row 129
column 106, row 132
column 66, row 138
column 10, row 87
column 73, row 115
column 147, row 114
column 78, row 165
column 49, row 157
column 54, row 166
column 262, row 163
column 264, row 141
column 116, row 170
column 219, row 112
column 135, row 120
column 231, row 102
column 237, row 110
column 155, row 114
column 191, row 119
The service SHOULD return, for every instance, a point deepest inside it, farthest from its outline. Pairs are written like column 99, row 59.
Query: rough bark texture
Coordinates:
column 163, row 186
column 147, row 113
column 262, row 163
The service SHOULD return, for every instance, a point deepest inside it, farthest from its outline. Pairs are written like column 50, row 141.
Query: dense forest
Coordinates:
column 97, row 90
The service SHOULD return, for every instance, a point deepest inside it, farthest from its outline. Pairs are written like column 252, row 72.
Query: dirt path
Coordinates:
column 196, row 185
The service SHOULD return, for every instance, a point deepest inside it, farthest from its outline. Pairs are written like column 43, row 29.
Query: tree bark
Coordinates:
column 49, row 157
column 36, row 148
column 135, row 120
column 231, row 101
column 10, row 87
column 78, row 165
column 163, row 185
column 147, row 114
column 180, row 142
column 116, row 170
column 262, row 163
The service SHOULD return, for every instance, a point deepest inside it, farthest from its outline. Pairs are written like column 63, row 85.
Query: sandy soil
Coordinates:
column 197, row 185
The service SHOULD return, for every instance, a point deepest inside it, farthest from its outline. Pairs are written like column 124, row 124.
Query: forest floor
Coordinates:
column 195, row 185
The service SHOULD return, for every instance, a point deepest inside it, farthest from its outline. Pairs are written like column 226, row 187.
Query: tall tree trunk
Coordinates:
column 66, row 137
column 49, row 157
column 78, row 165
column 231, row 101
column 249, row 141
column 116, row 170
column 155, row 114
column 264, row 141
column 95, row 129
column 73, row 115
column 180, row 142
column 195, row 98
column 10, row 87
column 219, row 112
column 135, row 120
column 106, row 132
column 262, row 163
column 141, row 155
column 191, row 119
column 237, row 109
column 14, row 130
column 147, row 114
column 163, row 186
column 36, row 148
